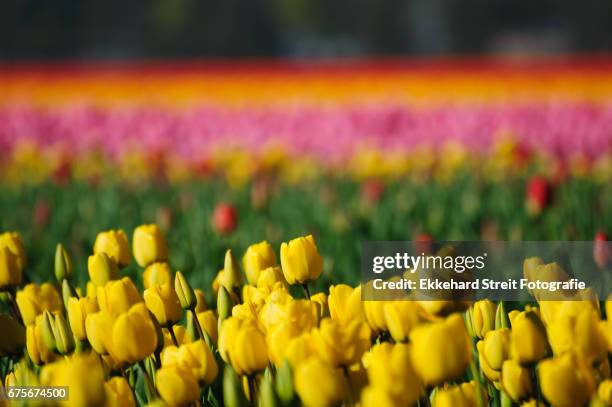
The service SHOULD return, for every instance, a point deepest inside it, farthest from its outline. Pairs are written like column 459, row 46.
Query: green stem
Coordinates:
column 251, row 381
column 306, row 290
column 349, row 402
column 476, row 376
column 173, row 336
column 149, row 383
column 536, row 384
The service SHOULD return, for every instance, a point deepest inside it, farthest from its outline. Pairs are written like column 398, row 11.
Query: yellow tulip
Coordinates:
column 270, row 276
column 156, row 274
column 118, row 393
column 566, row 381
column 82, row 373
column 13, row 243
column 118, row 296
column 374, row 313
column 344, row 302
column 134, row 336
column 10, row 273
column 201, row 305
column 243, row 345
column 273, row 312
column 78, row 310
column 441, row 350
column 388, row 365
column 98, row 327
column 258, row 256
column 319, row 385
column 300, row 316
column 149, row 245
column 300, row 349
column 300, row 260
column 36, row 346
column 177, row 387
column 493, row 351
column 115, row 245
column 209, row 323
column 461, row 395
column 232, row 278
column 163, row 302
column 483, row 317
column 33, row 299
column 375, row 396
column 320, row 300
column 516, row 380
column 196, row 357
column 582, row 333
column 528, row 338
column 13, row 336
column 401, row 317
column 102, row 269
column 341, row 344
column 604, row 392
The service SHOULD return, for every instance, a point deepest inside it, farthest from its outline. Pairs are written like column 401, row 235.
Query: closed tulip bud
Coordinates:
column 493, row 351
column 319, row 385
column 10, row 273
column 163, row 302
column 232, row 276
column 258, row 257
column 341, row 344
column 118, row 296
column 201, row 305
column 102, row 269
column 267, row 395
column 33, row 299
column 209, row 323
column 224, row 304
column 604, row 392
column 177, row 387
column 47, row 327
column 233, row 395
column 115, row 245
column 67, row 292
column 13, row 336
column 36, row 345
column 344, row 302
column 566, row 381
column 516, row 380
column 483, row 317
column 283, row 383
column 156, row 274
column 192, row 331
column 501, row 316
column 462, row 395
column 224, row 218
column 602, row 250
column 64, row 340
column 538, row 195
column 118, row 393
column 300, row 260
column 63, row 264
column 78, row 310
column 13, row 243
column 441, row 350
column 401, row 317
column 528, row 339
column 149, row 245
column 185, row 293
column 133, row 336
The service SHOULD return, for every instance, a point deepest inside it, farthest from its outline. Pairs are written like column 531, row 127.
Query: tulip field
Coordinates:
column 189, row 234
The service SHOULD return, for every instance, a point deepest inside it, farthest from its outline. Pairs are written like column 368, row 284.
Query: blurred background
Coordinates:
column 36, row 29
column 230, row 122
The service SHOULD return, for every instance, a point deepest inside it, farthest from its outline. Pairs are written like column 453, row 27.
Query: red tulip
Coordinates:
column 539, row 194
column 423, row 243
column 41, row 214
column 601, row 250
column 372, row 190
column 224, row 218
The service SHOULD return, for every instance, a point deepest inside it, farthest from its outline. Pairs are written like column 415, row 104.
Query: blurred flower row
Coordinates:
column 269, row 341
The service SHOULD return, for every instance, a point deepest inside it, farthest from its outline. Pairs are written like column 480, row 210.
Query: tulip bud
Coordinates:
column 233, row 395
column 156, row 274
column 469, row 323
column 47, row 326
column 67, row 292
column 501, row 316
column 528, row 344
column 149, row 245
column 115, row 245
column 300, row 260
column 483, row 317
column 63, row 336
column 63, row 264
column 602, row 252
column 267, row 396
column 224, row 304
column 258, row 257
column 78, row 310
column 224, row 218
column 284, row 383
column 102, row 269
column 232, row 276
column 191, row 330
column 201, row 305
column 538, row 192
column 185, row 293
column 10, row 273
